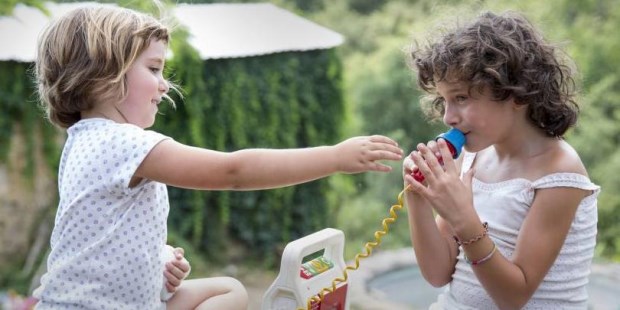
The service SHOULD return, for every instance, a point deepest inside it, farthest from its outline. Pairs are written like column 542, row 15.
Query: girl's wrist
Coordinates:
column 473, row 238
column 466, row 229
column 333, row 155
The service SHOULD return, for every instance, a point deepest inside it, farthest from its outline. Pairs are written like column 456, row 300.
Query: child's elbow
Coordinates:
column 437, row 280
column 438, row 283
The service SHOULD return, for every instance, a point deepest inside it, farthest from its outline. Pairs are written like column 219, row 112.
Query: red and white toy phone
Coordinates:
column 308, row 265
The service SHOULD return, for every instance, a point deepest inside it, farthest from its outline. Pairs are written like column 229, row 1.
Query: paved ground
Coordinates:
column 257, row 283
column 604, row 296
column 603, row 286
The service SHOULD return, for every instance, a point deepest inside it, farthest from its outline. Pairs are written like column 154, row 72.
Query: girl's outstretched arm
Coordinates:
column 185, row 166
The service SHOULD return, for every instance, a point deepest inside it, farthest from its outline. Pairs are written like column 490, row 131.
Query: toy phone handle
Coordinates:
column 455, row 140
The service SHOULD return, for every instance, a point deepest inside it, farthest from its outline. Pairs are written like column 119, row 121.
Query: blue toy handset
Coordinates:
column 308, row 265
column 455, row 140
column 302, row 281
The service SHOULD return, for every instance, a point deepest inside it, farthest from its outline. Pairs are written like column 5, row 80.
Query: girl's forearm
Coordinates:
column 503, row 280
column 270, row 168
column 432, row 251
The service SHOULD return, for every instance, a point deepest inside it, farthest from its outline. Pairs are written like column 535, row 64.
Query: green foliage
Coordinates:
column 21, row 115
column 7, row 6
column 274, row 101
column 20, row 110
column 598, row 135
column 587, row 29
column 365, row 6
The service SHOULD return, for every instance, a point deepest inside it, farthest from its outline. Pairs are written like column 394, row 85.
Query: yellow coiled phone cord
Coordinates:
column 368, row 247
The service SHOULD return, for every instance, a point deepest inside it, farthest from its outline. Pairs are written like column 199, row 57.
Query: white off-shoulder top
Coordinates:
column 504, row 205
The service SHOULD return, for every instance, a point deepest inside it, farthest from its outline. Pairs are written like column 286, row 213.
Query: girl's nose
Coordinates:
column 164, row 86
column 450, row 116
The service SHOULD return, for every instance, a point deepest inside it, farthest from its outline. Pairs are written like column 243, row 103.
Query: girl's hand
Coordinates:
column 408, row 164
column 413, row 198
column 449, row 196
column 359, row 154
column 176, row 270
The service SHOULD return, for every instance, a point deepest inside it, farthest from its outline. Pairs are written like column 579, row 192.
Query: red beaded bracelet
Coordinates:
column 485, row 225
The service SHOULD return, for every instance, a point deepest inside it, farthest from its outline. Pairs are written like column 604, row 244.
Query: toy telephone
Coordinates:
column 313, row 273
column 314, row 264
column 308, row 265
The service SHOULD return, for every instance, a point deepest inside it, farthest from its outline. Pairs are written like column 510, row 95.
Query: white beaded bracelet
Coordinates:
column 482, row 260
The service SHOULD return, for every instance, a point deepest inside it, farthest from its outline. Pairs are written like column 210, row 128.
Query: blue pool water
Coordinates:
column 407, row 286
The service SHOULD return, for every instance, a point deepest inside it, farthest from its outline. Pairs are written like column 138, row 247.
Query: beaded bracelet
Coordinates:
column 482, row 260
column 485, row 225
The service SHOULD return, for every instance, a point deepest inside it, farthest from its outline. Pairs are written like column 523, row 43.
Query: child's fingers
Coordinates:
column 448, row 161
column 415, row 186
column 179, row 253
column 431, row 159
column 382, row 139
column 176, row 271
column 173, row 277
column 170, row 288
column 426, row 162
column 408, row 164
column 377, row 166
column 380, row 143
column 382, row 155
column 434, row 147
column 384, row 151
column 181, row 264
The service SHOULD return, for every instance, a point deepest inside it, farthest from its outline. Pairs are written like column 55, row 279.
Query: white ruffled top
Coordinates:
column 504, row 205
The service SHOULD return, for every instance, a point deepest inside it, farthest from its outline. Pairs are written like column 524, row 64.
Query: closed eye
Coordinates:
column 460, row 98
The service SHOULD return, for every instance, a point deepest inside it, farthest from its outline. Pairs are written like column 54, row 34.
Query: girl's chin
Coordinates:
column 471, row 148
column 149, row 124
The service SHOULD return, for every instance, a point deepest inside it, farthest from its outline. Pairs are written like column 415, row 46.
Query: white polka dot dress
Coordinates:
column 107, row 237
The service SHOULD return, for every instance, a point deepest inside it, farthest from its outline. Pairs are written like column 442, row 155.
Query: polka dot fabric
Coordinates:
column 107, row 237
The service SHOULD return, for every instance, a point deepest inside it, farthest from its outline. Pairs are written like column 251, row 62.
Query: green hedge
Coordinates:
column 20, row 110
column 279, row 100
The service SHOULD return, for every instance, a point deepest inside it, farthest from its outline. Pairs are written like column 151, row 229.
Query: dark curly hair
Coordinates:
column 506, row 53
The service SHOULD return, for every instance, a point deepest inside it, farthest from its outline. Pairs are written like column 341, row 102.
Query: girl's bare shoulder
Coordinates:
column 557, row 157
column 560, row 158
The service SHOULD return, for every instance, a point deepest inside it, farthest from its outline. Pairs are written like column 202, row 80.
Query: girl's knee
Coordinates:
column 237, row 293
column 238, row 290
column 210, row 293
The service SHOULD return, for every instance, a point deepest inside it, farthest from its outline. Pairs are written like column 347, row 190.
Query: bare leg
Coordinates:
column 210, row 293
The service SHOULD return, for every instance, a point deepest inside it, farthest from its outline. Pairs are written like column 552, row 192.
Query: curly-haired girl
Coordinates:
column 510, row 224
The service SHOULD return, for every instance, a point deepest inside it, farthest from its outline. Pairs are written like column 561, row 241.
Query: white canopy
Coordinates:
column 238, row 30
column 216, row 30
